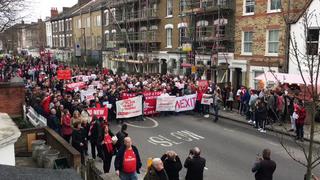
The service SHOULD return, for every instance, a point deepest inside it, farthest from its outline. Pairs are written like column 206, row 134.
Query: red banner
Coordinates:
column 64, row 74
column 76, row 86
column 99, row 112
column 149, row 103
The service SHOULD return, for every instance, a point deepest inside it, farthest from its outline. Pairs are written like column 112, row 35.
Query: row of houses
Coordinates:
column 24, row 38
column 228, row 41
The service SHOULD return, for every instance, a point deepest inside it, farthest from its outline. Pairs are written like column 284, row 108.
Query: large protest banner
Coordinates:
column 207, row 99
column 128, row 108
column 166, row 103
column 98, row 112
column 150, row 100
column 64, row 74
column 186, row 103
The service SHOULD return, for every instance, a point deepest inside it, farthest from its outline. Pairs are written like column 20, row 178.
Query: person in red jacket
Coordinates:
column 66, row 125
column 300, row 121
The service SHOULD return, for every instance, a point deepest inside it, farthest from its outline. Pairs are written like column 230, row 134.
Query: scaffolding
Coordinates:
column 209, row 31
column 137, row 24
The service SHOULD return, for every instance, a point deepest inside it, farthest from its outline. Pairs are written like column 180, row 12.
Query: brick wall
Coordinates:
column 259, row 23
column 12, row 97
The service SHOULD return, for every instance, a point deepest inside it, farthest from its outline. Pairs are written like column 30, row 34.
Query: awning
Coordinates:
column 284, row 78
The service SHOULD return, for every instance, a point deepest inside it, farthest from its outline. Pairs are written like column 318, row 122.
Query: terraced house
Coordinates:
column 87, row 30
column 261, row 36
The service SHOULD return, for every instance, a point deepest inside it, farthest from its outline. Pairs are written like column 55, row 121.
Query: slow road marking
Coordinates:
column 174, row 138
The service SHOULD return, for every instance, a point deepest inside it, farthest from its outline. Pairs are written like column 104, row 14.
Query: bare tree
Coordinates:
column 306, row 57
column 9, row 12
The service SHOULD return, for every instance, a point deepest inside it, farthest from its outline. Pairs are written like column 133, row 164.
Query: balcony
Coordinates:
column 206, row 6
column 138, row 37
column 113, row 3
column 211, row 34
column 148, row 14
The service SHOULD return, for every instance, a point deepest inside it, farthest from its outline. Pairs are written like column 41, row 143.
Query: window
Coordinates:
column 248, row 7
column 256, row 82
column 88, row 22
column 169, row 8
column 79, row 23
column 70, row 40
column 182, row 35
column 107, row 18
column 313, row 42
column 183, row 5
column 98, row 20
column 247, row 42
column 274, row 5
column 62, row 25
column 273, row 42
column 169, row 37
column 106, row 34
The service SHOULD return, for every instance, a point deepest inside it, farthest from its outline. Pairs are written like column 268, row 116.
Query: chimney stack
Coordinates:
column 54, row 12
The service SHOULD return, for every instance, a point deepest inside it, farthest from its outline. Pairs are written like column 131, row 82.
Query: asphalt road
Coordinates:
column 229, row 148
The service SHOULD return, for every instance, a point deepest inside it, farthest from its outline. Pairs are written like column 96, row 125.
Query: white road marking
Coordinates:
column 230, row 130
column 156, row 124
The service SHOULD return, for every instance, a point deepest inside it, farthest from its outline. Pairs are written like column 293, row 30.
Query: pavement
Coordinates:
column 283, row 129
column 229, row 147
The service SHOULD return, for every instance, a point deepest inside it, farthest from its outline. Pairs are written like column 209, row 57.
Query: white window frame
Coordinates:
column 269, row 10
column 244, row 9
column 242, row 44
column 98, row 20
column 168, row 6
column 70, row 24
column 267, row 53
column 88, row 22
column 169, row 43
column 107, row 18
column 79, row 23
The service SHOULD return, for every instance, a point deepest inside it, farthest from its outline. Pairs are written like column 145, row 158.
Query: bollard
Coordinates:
column 35, row 145
column 49, row 158
column 41, row 152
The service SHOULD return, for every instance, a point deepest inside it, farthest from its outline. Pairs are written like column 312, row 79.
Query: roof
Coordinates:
column 65, row 14
column 303, row 10
column 9, row 132
column 93, row 5
column 26, row 173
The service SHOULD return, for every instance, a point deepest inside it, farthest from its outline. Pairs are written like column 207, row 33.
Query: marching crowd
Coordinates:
column 66, row 112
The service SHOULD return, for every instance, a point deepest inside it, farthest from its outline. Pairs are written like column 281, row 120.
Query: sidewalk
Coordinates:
column 234, row 116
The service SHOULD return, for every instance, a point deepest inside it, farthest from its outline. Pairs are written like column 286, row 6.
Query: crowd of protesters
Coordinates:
column 66, row 111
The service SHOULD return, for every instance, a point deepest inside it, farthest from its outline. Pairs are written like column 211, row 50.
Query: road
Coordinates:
column 229, row 148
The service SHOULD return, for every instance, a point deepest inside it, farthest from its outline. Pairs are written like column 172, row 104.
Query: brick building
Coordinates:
column 261, row 36
column 25, row 37
column 87, row 30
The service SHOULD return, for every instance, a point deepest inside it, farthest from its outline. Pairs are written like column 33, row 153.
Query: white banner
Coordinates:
column 128, row 108
column 207, row 99
column 186, row 103
column 166, row 103
column 88, row 94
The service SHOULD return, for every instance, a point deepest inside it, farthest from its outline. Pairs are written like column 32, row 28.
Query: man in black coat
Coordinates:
column 195, row 165
column 172, row 165
column 264, row 168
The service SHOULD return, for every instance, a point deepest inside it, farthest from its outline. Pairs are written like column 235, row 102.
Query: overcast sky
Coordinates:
column 41, row 8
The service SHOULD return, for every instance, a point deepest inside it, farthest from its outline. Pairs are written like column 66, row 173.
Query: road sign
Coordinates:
column 78, row 50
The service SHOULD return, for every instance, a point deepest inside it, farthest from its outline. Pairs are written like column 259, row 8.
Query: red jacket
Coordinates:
column 66, row 125
column 302, row 116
